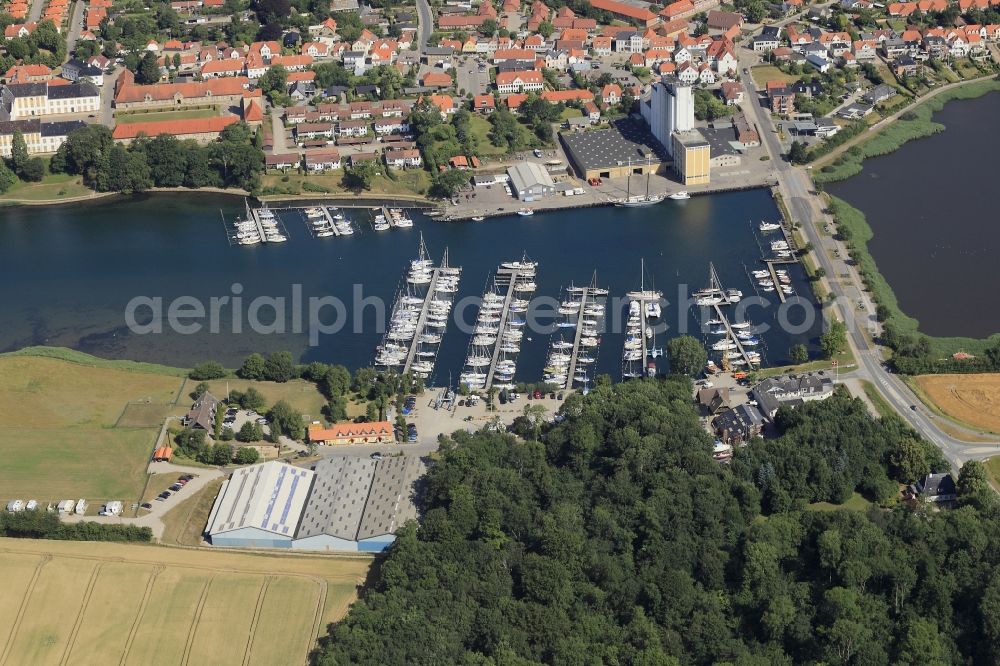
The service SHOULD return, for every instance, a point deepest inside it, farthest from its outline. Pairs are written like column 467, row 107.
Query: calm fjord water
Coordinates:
column 67, row 273
column 930, row 206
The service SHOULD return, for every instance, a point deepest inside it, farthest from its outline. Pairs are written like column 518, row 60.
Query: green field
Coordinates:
column 127, row 117
column 52, row 187
column 411, row 183
column 99, row 603
column 854, row 503
column 764, row 73
column 481, row 130
column 300, row 394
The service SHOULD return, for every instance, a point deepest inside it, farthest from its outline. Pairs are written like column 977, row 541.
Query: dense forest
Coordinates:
column 614, row 538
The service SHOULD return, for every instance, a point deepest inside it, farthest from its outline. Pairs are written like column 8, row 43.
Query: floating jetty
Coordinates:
column 496, row 340
column 715, row 296
column 326, row 221
column 419, row 316
column 260, row 225
column 638, row 352
column 582, row 310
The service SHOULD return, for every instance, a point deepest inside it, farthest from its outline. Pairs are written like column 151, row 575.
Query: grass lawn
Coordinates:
column 183, row 524
column 993, row 471
column 300, row 394
column 481, row 130
column 126, row 117
column 854, row 503
column 51, row 464
column 881, row 406
column 764, row 73
column 411, row 182
column 49, row 393
column 53, row 186
column 570, row 112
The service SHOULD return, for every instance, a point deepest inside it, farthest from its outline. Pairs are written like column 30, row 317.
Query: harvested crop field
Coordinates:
column 90, row 603
column 973, row 400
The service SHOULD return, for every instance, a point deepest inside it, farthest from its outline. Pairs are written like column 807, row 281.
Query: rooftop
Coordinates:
column 269, row 497
column 625, row 140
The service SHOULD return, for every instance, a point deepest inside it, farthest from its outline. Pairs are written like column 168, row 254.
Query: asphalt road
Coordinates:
column 804, row 207
column 425, row 23
column 469, row 78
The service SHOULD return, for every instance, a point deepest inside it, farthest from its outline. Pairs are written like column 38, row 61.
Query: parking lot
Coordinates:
column 235, row 418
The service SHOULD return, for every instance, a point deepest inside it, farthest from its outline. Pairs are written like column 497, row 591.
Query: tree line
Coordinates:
column 38, row 524
column 236, row 160
column 614, row 537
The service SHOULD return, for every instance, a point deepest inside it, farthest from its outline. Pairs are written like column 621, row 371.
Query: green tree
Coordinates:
column 274, row 81
column 488, row 27
column 279, row 367
column 167, row 159
column 246, row 456
column 253, row 400
column 797, row 153
column 446, row 184
column 18, row 152
column 253, row 367
column 545, row 29
column 207, row 370
column 250, row 432
column 687, row 355
column 199, row 390
column 360, row 176
column 798, row 353
column 834, row 340
column 336, row 380
column 285, row 421
column 7, row 178
column 149, row 69
column 33, row 170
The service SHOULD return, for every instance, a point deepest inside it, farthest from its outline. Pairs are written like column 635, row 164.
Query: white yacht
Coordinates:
column 769, row 226
column 680, row 196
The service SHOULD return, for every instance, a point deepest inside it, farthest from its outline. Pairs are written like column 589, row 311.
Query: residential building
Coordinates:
column 792, row 390
column 202, row 413
column 739, row 424
column 936, row 488
column 409, row 157
column 516, row 82
column 40, row 138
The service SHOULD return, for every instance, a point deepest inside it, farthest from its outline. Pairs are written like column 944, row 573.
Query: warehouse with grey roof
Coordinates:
column 344, row 503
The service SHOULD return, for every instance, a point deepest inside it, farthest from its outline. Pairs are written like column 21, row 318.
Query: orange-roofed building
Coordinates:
column 639, row 15
column 679, row 9
column 575, row 95
column 164, row 453
column 307, row 75
column 484, row 104
column 436, row 80
column 444, row 103
column 515, row 101
column 253, row 115
column 674, row 27
column 202, row 130
column 345, row 434
column 228, row 90
column 28, row 74
column 512, row 82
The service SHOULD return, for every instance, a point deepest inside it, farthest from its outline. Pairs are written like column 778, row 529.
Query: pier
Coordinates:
column 588, row 296
column 504, row 277
column 716, row 296
column 633, row 368
column 424, row 303
column 421, row 321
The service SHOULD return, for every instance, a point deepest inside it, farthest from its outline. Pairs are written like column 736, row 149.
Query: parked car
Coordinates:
column 164, row 495
column 175, row 487
column 146, row 505
column 538, row 394
column 376, row 456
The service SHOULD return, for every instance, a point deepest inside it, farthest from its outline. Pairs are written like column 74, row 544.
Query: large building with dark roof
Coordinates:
column 31, row 100
column 41, row 138
column 626, row 148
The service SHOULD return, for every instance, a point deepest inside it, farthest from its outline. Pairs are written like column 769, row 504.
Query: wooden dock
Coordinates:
column 715, row 288
column 508, row 276
column 588, row 296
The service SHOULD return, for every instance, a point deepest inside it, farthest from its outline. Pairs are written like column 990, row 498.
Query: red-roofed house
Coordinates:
column 484, row 104
column 511, row 82
column 351, row 433
column 679, row 9
column 436, row 80
column 631, row 13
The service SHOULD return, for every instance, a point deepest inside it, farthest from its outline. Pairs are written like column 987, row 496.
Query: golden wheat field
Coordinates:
column 101, row 603
column 971, row 399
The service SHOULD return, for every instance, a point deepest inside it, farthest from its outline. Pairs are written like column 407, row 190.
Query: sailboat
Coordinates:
column 634, row 201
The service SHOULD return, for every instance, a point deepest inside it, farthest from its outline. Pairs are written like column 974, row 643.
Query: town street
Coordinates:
column 425, row 23
column 805, row 207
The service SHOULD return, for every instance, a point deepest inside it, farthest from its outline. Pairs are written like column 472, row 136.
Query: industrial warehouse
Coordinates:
column 344, row 503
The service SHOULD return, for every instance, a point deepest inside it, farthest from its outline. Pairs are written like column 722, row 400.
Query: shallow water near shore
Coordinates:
column 68, row 273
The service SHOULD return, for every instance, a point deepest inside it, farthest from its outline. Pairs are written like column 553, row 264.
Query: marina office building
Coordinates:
column 344, row 503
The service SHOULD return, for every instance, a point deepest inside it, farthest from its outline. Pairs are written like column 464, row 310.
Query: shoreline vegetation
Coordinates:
column 915, row 123
column 855, row 230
